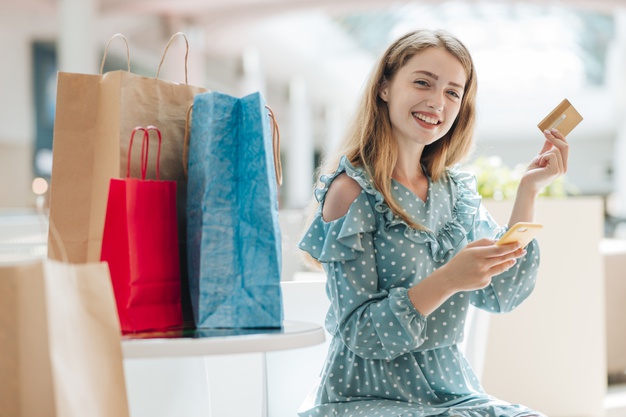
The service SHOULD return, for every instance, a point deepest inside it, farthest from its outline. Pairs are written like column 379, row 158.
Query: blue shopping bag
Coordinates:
column 233, row 233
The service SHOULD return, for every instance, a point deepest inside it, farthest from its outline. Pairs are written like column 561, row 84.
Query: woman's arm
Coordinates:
column 550, row 163
column 374, row 323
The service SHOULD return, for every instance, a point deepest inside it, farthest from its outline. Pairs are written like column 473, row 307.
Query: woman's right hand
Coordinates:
column 473, row 267
column 470, row 269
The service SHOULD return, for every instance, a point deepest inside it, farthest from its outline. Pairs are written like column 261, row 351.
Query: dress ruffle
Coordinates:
column 341, row 240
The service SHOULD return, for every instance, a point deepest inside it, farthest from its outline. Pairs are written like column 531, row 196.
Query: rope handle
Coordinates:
column 144, row 151
column 168, row 47
column 106, row 51
column 186, row 141
column 278, row 166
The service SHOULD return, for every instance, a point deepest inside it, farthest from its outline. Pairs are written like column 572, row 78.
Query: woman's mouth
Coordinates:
column 426, row 121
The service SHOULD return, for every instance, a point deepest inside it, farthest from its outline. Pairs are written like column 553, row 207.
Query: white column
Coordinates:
column 253, row 78
column 615, row 83
column 299, row 164
column 77, row 50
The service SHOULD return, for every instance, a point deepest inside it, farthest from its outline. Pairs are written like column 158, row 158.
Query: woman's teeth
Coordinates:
column 427, row 119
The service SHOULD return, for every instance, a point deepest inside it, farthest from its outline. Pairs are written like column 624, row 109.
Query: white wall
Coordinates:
column 550, row 353
column 17, row 125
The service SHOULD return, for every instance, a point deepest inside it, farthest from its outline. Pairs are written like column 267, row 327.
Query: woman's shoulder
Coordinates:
column 346, row 213
column 340, row 195
column 346, row 178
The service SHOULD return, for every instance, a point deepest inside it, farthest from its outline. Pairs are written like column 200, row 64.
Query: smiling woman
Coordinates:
column 407, row 246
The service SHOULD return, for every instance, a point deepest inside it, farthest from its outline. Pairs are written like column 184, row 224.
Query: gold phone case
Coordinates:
column 564, row 118
column 520, row 232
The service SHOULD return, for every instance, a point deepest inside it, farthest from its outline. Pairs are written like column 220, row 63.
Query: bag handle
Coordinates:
column 106, row 50
column 186, row 142
column 144, row 151
column 278, row 167
column 168, row 47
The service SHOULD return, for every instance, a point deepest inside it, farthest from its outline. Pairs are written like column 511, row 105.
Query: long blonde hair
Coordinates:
column 369, row 142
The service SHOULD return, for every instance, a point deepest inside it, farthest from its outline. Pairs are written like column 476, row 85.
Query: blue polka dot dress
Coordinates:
column 385, row 358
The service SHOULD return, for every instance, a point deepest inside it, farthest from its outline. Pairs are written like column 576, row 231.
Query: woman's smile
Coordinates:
column 426, row 120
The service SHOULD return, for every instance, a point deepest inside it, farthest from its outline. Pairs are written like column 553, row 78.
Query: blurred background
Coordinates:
column 310, row 59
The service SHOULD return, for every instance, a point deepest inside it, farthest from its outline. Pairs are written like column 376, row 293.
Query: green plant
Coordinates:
column 498, row 181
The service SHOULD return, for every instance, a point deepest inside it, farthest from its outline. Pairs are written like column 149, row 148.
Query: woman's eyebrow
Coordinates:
column 436, row 77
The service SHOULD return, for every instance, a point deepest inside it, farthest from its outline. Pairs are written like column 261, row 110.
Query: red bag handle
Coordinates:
column 144, row 151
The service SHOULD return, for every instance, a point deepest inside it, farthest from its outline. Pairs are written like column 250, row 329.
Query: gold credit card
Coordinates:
column 564, row 118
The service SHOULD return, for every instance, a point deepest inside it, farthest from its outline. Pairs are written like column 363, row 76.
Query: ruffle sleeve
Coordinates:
column 340, row 239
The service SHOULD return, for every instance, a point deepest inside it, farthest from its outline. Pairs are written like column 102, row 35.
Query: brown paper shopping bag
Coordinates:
column 94, row 115
column 60, row 351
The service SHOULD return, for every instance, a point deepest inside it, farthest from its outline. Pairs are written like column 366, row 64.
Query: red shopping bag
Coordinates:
column 140, row 243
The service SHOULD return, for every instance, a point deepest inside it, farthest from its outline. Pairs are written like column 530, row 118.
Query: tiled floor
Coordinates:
column 615, row 402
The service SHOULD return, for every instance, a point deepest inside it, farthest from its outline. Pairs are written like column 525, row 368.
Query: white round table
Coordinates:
column 208, row 342
column 205, row 342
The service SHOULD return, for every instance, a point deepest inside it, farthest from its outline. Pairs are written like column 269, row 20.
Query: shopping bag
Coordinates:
column 94, row 114
column 234, row 241
column 60, row 351
column 140, row 244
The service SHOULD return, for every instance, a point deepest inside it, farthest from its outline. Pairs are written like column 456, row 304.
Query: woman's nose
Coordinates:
column 435, row 101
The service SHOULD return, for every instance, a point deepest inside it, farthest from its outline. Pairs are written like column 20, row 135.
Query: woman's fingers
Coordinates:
column 495, row 254
column 558, row 140
column 502, row 267
column 552, row 160
column 474, row 265
column 506, row 261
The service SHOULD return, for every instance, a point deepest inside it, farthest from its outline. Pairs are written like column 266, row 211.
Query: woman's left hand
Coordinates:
column 550, row 163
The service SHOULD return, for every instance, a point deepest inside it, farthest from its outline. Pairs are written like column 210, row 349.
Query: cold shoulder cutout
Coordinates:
column 340, row 196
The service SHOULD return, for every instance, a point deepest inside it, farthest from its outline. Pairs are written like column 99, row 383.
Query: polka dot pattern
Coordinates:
column 386, row 359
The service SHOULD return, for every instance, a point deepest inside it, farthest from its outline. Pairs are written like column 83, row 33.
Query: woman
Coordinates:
column 407, row 246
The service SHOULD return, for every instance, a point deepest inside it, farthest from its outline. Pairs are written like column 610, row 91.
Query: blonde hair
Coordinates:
column 369, row 142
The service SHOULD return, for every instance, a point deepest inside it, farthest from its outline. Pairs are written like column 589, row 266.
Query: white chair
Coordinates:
column 476, row 336
column 292, row 374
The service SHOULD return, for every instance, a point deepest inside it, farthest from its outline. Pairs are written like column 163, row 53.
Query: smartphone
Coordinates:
column 520, row 232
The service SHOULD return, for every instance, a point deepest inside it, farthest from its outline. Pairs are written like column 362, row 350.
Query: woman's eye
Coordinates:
column 454, row 94
column 421, row 82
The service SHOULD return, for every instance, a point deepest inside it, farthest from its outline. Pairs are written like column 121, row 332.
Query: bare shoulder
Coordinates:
column 341, row 194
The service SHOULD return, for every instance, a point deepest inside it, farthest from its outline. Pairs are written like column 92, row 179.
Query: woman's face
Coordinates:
column 424, row 97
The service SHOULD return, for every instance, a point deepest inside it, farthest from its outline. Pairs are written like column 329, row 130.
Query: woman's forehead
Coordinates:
column 438, row 63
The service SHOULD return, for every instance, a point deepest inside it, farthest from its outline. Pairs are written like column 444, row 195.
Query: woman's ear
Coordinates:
column 383, row 90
